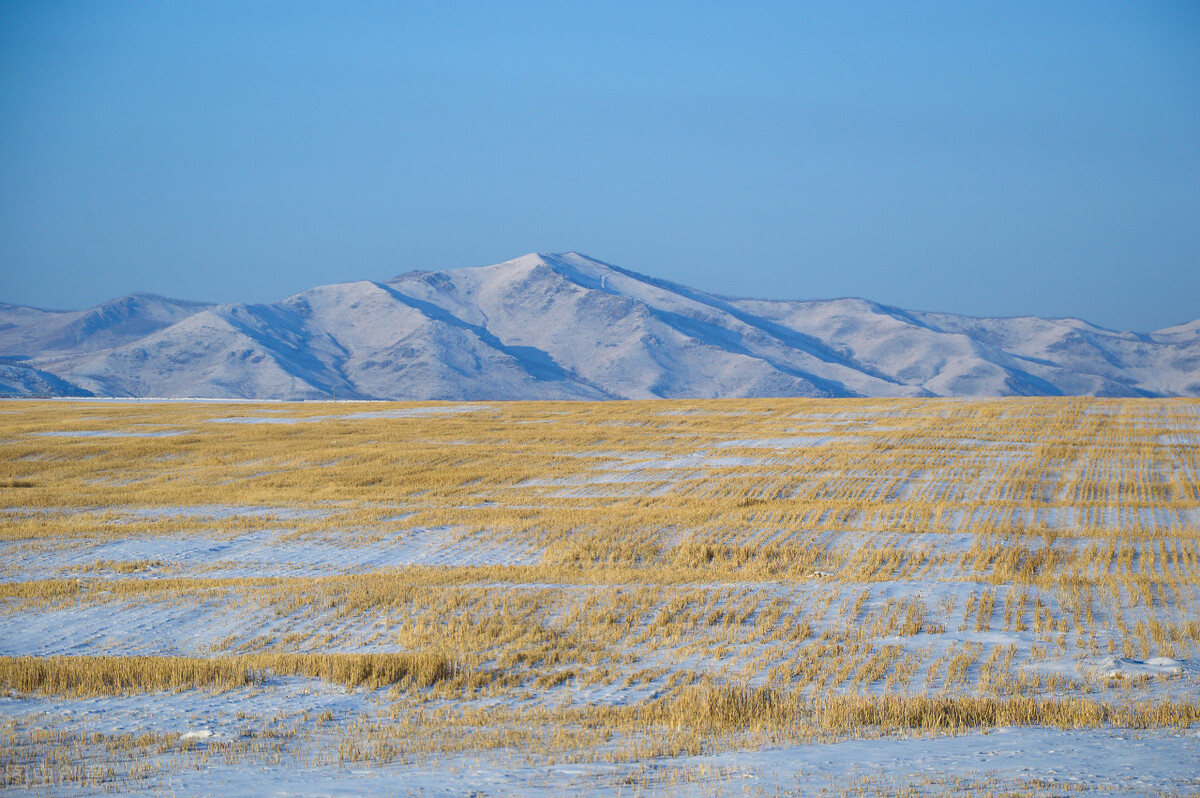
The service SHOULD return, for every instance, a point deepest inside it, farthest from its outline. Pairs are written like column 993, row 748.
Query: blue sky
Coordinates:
column 985, row 158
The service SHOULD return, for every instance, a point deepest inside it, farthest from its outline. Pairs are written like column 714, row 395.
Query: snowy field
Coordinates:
column 746, row 597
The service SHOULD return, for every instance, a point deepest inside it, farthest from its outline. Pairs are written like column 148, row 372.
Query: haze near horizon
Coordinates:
column 990, row 159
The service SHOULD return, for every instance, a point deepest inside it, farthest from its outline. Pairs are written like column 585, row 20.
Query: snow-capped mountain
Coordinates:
column 566, row 326
column 24, row 331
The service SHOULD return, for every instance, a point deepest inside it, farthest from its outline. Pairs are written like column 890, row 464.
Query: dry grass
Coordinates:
column 735, row 707
column 115, row 675
column 92, row 676
column 741, row 571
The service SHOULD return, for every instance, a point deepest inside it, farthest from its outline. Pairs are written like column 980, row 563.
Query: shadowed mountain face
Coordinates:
column 30, row 332
column 570, row 327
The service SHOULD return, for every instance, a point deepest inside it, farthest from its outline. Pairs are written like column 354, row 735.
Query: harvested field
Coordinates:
column 664, row 596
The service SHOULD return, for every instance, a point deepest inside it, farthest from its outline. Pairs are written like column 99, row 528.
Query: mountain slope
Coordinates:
column 565, row 326
column 25, row 331
column 17, row 380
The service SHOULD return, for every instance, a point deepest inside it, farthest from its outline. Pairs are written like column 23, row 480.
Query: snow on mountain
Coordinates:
column 565, row 326
column 354, row 340
column 26, row 331
column 18, row 380
column 603, row 335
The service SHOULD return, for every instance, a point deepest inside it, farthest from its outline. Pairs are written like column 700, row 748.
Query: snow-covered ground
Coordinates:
column 565, row 620
column 1002, row 760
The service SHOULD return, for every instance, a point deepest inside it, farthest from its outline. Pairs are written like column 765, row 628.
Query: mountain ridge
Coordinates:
column 567, row 326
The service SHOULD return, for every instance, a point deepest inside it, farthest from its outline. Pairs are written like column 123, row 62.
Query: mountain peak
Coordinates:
column 565, row 325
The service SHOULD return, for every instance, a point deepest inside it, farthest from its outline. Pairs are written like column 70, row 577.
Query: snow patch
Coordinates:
column 1124, row 667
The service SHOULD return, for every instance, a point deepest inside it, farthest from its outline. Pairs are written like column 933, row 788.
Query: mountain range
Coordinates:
column 566, row 326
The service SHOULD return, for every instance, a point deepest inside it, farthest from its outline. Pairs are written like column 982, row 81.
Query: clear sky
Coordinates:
column 986, row 158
